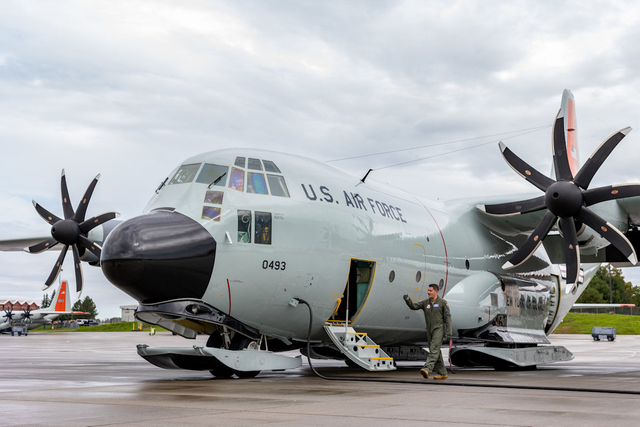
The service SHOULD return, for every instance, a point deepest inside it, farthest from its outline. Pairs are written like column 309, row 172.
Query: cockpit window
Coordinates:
column 185, row 174
column 254, row 164
column 236, row 182
column 211, row 213
column 240, row 162
column 214, row 197
column 213, row 174
column 269, row 166
column 277, row 185
column 244, row 226
column 263, row 228
column 256, row 183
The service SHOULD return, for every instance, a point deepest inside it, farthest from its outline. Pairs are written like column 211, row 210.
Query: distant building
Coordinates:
column 128, row 312
column 17, row 305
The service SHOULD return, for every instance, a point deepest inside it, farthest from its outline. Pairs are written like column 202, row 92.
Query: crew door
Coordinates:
column 356, row 291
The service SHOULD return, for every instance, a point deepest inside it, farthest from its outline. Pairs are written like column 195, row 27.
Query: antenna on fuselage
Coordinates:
column 366, row 175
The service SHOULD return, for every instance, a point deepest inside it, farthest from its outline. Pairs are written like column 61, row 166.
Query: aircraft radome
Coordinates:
column 233, row 240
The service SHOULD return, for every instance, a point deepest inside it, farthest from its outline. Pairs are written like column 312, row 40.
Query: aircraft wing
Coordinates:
column 21, row 244
column 623, row 214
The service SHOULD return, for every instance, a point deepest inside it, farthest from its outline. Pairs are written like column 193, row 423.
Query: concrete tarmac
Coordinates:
column 97, row 379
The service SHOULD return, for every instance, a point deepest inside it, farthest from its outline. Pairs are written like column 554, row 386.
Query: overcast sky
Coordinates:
column 128, row 89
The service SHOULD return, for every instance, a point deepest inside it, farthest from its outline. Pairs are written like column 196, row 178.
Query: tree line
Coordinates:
column 622, row 292
column 85, row 305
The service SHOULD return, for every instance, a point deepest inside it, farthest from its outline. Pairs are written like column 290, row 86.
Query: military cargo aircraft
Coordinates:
column 233, row 240
column 32, row 319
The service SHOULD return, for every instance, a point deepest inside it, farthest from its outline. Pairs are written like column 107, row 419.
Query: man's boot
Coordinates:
column 424, row 373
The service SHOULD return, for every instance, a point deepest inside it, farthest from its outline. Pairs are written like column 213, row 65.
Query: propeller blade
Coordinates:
column 42, row 246
column 97, row 220
column 571, row 249
column 66, row 201
column 611, row 192
column 90, row 246
column 45, row 214
column 524, row 170
column 82, row 207
column 593, row 163
column 609, row 232
column 533, row 241
column 56, row 268
column 78, row 269
column 560, row 159
column 514, row 208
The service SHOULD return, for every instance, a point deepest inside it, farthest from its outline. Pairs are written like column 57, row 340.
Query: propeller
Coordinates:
column 26, row 314
column 9, row 313
column 71, row 231
column 567, row 200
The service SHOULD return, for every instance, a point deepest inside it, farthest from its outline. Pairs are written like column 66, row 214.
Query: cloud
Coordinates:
column 129, row 89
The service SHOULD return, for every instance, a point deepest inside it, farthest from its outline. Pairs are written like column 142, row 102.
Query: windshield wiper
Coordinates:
column 217, row 180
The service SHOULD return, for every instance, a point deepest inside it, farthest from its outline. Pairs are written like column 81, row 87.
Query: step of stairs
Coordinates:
column 359, row 348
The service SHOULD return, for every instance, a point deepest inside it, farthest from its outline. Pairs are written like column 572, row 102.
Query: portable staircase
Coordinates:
column 358, row 347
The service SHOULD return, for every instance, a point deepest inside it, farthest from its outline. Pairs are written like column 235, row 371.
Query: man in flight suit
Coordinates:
column 438, row 319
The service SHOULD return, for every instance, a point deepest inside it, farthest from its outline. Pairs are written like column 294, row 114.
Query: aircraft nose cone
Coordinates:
column 159, row 256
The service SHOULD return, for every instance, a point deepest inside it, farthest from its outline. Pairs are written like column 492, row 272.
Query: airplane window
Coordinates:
column 211, row 213
column 185, row 174
column 278, row 186
column 256, row 183
column 213, row 174
column 244, row 226
column 240, row 162
column 269, row 166
column 263, row 228
column 236, row 182
column 214, row 197
column 254, row 164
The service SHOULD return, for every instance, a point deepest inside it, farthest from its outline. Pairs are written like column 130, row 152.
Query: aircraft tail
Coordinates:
column 568, row 112
column 62, row 303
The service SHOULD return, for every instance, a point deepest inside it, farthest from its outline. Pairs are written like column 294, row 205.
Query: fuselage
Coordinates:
column 285, row 226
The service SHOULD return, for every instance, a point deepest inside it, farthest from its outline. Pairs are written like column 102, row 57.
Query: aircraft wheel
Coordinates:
column 222, row 372
column 247, row 374
column 240, row 342
column 215, row 340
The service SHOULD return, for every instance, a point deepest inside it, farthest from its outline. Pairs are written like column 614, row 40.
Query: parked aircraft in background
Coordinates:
column 233, row 240
column 32, row 319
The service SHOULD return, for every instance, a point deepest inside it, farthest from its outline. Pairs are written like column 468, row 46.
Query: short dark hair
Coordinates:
column 434, row 286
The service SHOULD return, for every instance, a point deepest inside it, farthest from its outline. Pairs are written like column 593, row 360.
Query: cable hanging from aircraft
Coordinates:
column 455, row 151
column 451, row 384
column 524, row 132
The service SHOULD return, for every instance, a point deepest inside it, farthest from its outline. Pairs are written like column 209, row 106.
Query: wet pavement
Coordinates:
column 97, row 379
